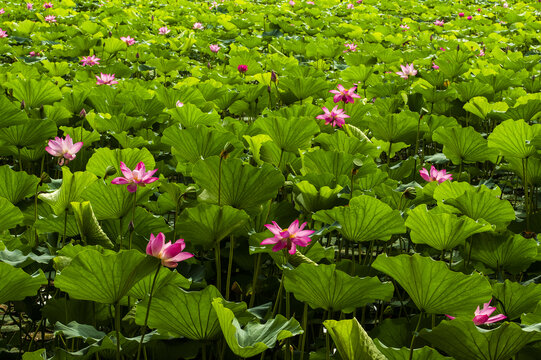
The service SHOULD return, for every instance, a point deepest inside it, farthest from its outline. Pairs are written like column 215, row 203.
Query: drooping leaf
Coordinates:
column 104, row 278
column 480, row 107
column 461, row 339
column 325, row 287
column 10, row 214
column 76, row 330
column 362, row 219
column 433, row 287
column 401, row 127
column 513, row 138
column 89, row 228
column 352, row 341
column 464, row 145
column 16, row 284
column 254, row 338
column 515, row 299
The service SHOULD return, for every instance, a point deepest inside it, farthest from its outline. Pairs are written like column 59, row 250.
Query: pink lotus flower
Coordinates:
column 350, row 47
column 439, row 22
column 345, row 95
column 47, row 5
column 434, row 66
column 2, row 11
column 461, row 14
column 470, row 17
column 214, row 48
column 169, row 254
column 50, row 18
column 198, row 26
column 3, row 34
column 164, row 30
column 179, row 104
column 481, row 51
column 351, row 6
column 64, row 149
column 407, row 71
column 138, row 177
column 128, row 40
column 290, row 238
column 442, row 49
column 33, row 53
column 29, row 6
column 90, row 60
column 335, row 117
column 310, row 3
column 242, row 68
column 478, row 9
column 359, row 1
column 482, row 316
column 404, row 27
column 291, row 2
column 435, row 175
column 106, row 79
column 505, row 5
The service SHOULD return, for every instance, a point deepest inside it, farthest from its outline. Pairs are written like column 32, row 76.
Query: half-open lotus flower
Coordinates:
column 64, row 149
column 435, row 175
column 128, row 40
column 482, row 316
column 138, row 177
column 90, row 60
column 106, row 79
column 169, row 254
column 407, row 71
column 164, row 30
column 288, row 239
column 345, row 95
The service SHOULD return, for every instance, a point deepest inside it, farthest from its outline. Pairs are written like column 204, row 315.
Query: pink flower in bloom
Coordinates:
column 439, row 22
column 106, row 79
column 90, row 60
column 2, row 11
column 242, row 68
column 310, row 3
column 290, row 238
column 47, row 5
column 350, row 47
column 505, row 5
column 33, row 53
column 345, row 95
column 470, row 17
column 461, row 14
column 335, row 117
column 169, row 254
column 29, row 6
column 351, row 6
column 3, row 34
column 291, row 2
column 478, row 9
column 64, row 149
column 404, row 27
column 442, row 49
column 198, row 26
column 434, row 66
column 179, row 104
column 482, row 316
column 138, row 177
column 164, row 30
column 214, row 48
column 407, row 71
column 481, row 52
column 50, row 18
column 128, row 40
column 435, row 175
column 359, row 1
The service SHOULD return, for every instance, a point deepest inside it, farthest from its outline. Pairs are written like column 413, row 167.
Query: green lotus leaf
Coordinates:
column 395, row 128
column 10, row 113
column 303, row 87
column 10, row 214
column 289, row 134
column 479, row 106
column 440, row 230
column 196, row 143
column 190, row 115
column 189, row 94
column 206, row 224
column 106, row 157
column 515, row 299
column 352, row 341
column 254, row 338
column 433, row 287
column 40, row 354
column 470, row 89
column 325, row 287
column 165, row 277
column 313, row 199
column 109, row 201
column 507, row 251
column 104, row 278
column 513, row 138
column 241, row 186
column 53, row 223
column 89, row 228
column 533, row 317
column 75, row 330
column 113, row 45
column 30, row 134
column 424, row 353
column 528, row 112
column 18, row 259
column 532, row 165
column 322, row 162
column 35, row 92
column 464, row 145
column 363, row 219
column 16, row 284
column 73, row 185
column 88, row 138
column 461, row 339
column 340, row 142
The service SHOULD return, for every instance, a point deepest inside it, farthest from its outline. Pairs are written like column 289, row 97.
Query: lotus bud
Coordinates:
column 228, row 148
column 357, row 164
column 269, row 89
column 44, row 178
column 209, row 65
column 431, row 37
column 116, row 26
column 458, row 48
column 110, row 171
column 410, row 193
column 131, row 226
column 137, row 55
column 41, row 110
column 110, row 34
column 23, row 105
column 274, row 77
column 82, row 114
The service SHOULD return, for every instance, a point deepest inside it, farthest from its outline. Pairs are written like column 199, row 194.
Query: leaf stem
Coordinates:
column 415, row 335
column 257, row 268
column 218, row 266
column 229, row 266
column 132, row 224
column 117, row 328
column 148, row 311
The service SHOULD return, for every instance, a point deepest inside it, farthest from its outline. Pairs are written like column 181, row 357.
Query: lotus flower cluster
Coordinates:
column 435, row 175
column 407, row 71
column 169, row 254
column 64, row 149
column 90, row 60
column 138, row 177
column 106, row 79
column 335, row 117
column 288, row 239
column 482, row 316
column 345, row 95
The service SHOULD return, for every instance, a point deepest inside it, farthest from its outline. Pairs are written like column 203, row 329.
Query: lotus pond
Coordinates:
column 270, row 179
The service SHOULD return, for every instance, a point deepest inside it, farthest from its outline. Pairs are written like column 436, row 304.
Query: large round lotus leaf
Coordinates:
column 515, row 299
column 433, row 287
column 513, row 138
column 253, row 338
column 289, row 134
column 325, row 287
column 352, row 341
column 365, row 219
column 403, row 353
column 104, row 278
column 464, row 145
column 16, row 284
column 106, row 157
column 16, row 185
column 461, row 339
